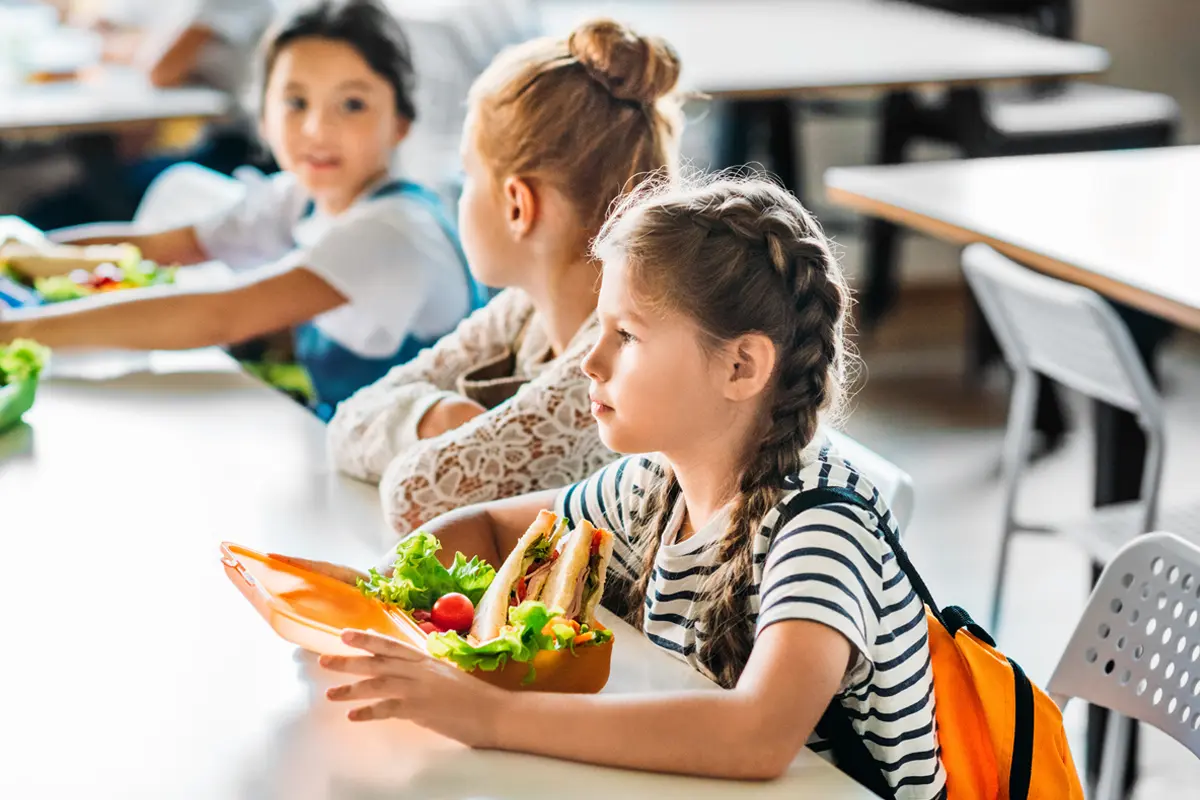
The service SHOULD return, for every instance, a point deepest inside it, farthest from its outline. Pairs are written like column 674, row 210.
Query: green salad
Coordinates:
column 532, row 627
column 22, row 360
column 131, row 273
column 418, row 579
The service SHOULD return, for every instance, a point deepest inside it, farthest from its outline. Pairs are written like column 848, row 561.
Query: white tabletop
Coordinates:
column 1120, row 222
column 772, row 47
column 113, row 500
column 112, row 101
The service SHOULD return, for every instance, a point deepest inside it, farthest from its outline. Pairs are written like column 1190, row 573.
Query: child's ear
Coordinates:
column 750, row 361
column 403, row 126
column 520, row 206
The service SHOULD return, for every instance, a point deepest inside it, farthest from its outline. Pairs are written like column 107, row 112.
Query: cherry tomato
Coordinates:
column 421, row 615
column 429, row 627
column 453, row 612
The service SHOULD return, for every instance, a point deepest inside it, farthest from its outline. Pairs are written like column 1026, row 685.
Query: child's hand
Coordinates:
column 407, row 683
column 448, row 414
column 336, row 571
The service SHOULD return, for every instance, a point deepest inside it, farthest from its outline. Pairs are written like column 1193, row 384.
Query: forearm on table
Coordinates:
column 158, row 318
column 722, row 734
column 178, row 246
column 488, row 530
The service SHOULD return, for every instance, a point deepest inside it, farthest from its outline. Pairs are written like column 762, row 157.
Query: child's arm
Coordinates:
column 174, row 65
column 167, row 318
column 177, row 246
column 417, row 401
column 751, row 732
column 543, row 436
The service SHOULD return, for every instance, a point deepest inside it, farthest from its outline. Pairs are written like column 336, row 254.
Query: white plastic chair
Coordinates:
column 183, row 194
column 1070, row 335
column 1136, row 649
column 894, row 484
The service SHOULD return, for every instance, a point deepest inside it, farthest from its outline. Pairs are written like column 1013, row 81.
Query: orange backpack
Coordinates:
column 1000, row 736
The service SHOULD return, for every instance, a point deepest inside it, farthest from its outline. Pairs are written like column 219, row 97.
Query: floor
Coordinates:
column 914, row 408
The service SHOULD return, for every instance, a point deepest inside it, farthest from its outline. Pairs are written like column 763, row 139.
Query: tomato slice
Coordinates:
column 597, row 537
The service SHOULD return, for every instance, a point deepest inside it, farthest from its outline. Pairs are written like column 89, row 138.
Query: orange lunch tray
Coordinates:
column 311, row 610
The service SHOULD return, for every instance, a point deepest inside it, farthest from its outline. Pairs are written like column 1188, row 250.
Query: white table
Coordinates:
column 112, row 504
column 110, row 103
column 772, row 48
column 1121, row 222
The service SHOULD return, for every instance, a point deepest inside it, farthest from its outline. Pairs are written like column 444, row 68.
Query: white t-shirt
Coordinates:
column 388, row 256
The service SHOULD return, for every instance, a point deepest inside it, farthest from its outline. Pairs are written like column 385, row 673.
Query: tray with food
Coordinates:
column 21, row 364
column 59, row 272
column 529, row 624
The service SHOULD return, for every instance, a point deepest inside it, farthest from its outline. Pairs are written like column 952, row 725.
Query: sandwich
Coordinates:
column 522, row 577
column 45, row 260
column 576, row 582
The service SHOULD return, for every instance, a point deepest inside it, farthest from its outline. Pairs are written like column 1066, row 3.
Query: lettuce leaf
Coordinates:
column 418, row 579
column 60, row 288
column 22, row 360
column 530, row 630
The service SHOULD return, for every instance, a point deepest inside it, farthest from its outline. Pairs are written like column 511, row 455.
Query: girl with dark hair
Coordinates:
column 367, row 266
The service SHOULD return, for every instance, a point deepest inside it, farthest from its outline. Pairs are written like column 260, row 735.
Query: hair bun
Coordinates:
column 641, row 69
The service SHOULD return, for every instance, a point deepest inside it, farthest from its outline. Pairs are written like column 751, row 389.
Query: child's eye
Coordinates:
column 353, row 104
column 626, row 336
column 295, row 103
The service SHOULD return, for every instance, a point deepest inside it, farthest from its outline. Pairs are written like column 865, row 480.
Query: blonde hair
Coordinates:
column 588, row 114
column 739, row 257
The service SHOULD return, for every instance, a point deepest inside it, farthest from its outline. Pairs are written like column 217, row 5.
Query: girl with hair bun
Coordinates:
column 557, row 130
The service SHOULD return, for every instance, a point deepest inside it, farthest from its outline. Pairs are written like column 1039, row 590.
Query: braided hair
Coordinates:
column 738, row 256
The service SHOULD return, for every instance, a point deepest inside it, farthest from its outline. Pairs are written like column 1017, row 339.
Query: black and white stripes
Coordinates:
column 827, row 564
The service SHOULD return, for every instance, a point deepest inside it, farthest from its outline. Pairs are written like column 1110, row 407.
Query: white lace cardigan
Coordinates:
column 541, row 438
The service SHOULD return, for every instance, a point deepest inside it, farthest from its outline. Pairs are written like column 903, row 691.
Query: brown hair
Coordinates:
column 738, row 257
column 588, row 114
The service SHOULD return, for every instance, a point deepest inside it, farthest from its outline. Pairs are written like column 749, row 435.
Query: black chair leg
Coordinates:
column 881, row 284
column 782, row 144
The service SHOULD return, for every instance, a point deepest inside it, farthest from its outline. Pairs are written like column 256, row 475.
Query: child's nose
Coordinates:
column 592, row 363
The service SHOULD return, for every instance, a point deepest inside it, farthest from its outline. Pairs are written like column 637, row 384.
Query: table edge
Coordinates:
column 1179, row 313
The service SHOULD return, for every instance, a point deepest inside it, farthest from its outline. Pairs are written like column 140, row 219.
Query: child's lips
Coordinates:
column 322, row 162
column 599, row 409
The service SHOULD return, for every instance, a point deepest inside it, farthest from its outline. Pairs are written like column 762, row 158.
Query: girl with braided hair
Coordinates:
column 722, row 315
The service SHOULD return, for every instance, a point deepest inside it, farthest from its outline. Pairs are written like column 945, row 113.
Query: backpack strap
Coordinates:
column 849, row 750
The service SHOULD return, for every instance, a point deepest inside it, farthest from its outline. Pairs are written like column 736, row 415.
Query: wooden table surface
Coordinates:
column 1121, row 222
column 761, row 48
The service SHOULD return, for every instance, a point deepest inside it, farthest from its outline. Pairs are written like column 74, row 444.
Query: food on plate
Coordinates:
column 419, row 580
column 62, row 272
column 547, row 591
column 22, row 360
column 21, row 363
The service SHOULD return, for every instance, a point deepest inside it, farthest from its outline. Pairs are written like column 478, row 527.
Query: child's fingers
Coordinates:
column 336, row 571
column 382, row 710
column 368, row 665
column 370, row 689
column 383, row 646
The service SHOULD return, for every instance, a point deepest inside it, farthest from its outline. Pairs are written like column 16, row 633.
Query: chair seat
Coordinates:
column 1076, row 107
column 1104, row 532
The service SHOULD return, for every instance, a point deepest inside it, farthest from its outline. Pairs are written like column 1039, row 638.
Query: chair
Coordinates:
column 894, row 484
column 1046, row 117
column 1071, row 335
column 1136, row 649
column 183, row 194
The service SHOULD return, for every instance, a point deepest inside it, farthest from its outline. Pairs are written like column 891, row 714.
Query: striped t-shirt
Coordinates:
column 828, row 564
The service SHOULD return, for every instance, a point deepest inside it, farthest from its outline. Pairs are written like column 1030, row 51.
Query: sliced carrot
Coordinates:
column 584, row 638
